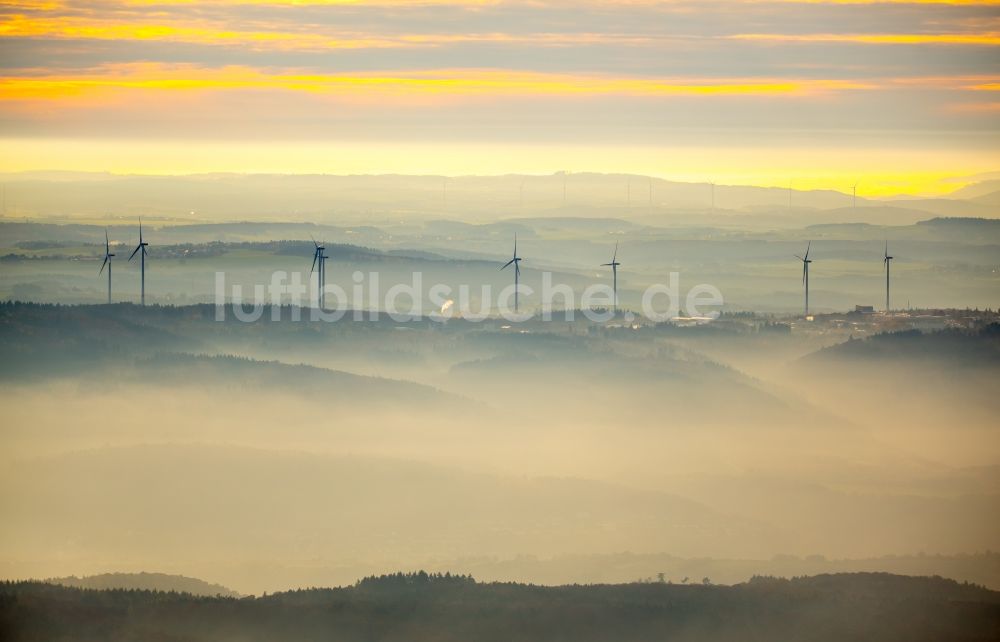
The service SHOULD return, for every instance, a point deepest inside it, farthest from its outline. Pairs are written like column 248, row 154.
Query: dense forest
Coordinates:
column 419, row 606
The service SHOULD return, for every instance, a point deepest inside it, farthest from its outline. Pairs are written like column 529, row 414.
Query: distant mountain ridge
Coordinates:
column 321, row 196
column 981, row 190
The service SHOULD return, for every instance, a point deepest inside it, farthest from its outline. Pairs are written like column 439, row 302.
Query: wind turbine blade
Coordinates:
column 808, row 246
column 313, row 268
column 507, row 264
column 107, row 243
column 799, row 257
column 137, row 248
column 140, row 229
column 615, row 257
column 805, row 271
column 103, row 264
column 313, row 240
column 517, row 269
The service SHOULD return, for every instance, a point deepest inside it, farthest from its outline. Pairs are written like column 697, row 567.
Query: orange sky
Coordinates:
column 752, row 91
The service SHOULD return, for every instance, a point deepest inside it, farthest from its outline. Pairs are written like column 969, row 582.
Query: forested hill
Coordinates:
column 958, row 346
column 146, row 582
column 158, row 346
column 417, row 607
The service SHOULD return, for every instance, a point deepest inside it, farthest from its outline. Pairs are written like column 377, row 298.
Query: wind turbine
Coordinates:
column 805, row 273
column 320, row 258
column 614, row 271
column 107, row 261
column 517, row 270
column 712, row 183
column 887, row 260
column 854, row 196
column 142, row 263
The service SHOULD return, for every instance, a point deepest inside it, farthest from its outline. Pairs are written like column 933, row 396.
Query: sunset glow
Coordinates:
column 910, row 85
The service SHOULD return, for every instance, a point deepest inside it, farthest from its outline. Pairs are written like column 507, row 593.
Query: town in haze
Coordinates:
column 499, row 320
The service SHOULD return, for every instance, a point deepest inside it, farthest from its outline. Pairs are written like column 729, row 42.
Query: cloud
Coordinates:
column 990, row 38
column 534, row 70
column 445, row 82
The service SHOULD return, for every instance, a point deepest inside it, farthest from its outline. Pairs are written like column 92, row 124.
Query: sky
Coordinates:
column 901, row 97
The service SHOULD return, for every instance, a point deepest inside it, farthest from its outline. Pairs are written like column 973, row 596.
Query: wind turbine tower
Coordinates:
column 614, row 271
column 517, row 271
column 319, row 258
column 887, row 260
column 142, row 264
column 805, row 273
column 107, row 261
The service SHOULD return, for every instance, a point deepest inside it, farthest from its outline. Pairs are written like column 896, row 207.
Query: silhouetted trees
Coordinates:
column 421, row 606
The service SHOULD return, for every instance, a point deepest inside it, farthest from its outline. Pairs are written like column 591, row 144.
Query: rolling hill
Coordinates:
column 161, row 582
